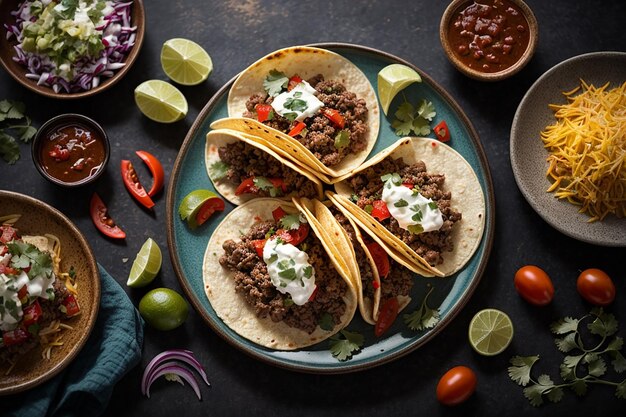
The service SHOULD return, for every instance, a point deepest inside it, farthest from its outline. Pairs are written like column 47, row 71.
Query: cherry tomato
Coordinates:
column 387, row 315
column 595, row 286
column 381, row 259
column 534, row 285
column 156, row 169
column 456, row 385
column 102, row 220
column 134, row 187
column 15, row 337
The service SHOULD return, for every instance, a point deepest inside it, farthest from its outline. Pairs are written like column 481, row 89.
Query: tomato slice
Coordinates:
column 102, row 220
column 156, row 169
column 247, row 187
column 297, row 129
column 442, row 131
column 387, row 315
column 278, row 213
column 134, row 187
column 259, row 244
column 263, row 111
column 71, row 305
column 293, row 82
column 381, row 259
column 32, row 313
column 380, row 210
column 334, row 116
column 208, row 208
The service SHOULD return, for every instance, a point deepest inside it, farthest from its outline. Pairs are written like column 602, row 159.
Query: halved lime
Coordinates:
column 392, row 79
column 490, row 332
column 185, row 62
column 163, row 309
column 146, row 265
column 198, row 206
column 161, row 101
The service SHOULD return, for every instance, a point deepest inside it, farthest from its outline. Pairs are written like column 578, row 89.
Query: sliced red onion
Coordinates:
column 168, row 357
column 172, row 368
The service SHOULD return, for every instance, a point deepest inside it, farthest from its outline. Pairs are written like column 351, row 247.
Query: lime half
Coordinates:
column 146, row 265
column 391, row 80
column 185, row 62
column 161, row 101
column 490, row 332
column 163, row 309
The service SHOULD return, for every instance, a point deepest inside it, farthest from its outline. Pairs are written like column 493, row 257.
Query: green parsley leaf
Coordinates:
column 620, row 390
column 567, row 343
column 11, row 130
column 291, row 221
column 263, row 183
column 423, row 317
column 368, row 208
column 218, row 170
column 618, row 362
column 416, row 229
column 344, row 344
column 275, row 82
column 420, row 126
column 519, row 372
column 326, row 322
column 307, row 271
column 402, row 128
column 288, row 302
column 426, row 110
column 564, row 326
column 413, row 119
column 433, row 206
column 405, row 112
column 342, row 139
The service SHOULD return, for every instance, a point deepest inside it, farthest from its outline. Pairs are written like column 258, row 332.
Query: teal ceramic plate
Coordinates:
column 450, row 294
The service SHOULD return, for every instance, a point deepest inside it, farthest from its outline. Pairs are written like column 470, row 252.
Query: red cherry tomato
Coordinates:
column 387, row 315
column 102, row 220
column 595, row 286
column 456, row 385
column 534, row 285
column 156, row 169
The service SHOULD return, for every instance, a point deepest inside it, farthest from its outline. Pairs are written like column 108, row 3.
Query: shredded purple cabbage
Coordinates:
column 118, row 37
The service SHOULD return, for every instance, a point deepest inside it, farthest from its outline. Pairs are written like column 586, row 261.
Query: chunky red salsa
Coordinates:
column 72, row 152
column 489, row 35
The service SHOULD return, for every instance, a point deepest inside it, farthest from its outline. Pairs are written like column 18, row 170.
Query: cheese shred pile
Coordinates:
column 587, row 150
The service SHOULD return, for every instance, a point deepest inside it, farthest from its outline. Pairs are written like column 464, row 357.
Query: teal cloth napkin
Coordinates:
column 85, row 386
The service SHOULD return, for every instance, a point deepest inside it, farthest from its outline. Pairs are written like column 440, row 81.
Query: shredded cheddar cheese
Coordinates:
column 587, row 150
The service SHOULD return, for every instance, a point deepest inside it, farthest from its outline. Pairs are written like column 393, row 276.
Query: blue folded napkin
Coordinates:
column 85, row 386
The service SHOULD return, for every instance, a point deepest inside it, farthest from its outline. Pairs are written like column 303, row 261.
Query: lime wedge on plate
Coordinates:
column 146, row 265
column 160, row 101
column 163, row 309
column 198, row 206
column 490, row 332
column 391, row 80
column 185, row 62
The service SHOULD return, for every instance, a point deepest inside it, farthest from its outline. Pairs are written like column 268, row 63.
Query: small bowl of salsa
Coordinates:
column 488, row 40
column 71, row 150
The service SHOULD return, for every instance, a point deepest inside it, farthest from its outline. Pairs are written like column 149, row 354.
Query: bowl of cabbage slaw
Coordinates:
column 70, row 49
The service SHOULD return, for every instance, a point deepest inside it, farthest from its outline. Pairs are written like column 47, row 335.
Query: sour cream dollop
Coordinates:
column 301, row 100
column 410, row 208
column 289, row 270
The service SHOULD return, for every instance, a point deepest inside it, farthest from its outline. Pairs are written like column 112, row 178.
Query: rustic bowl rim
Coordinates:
column 533, row 28
column 64, row 119
column 18, row 72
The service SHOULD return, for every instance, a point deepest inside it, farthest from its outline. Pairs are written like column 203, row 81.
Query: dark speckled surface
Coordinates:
column 235, row 33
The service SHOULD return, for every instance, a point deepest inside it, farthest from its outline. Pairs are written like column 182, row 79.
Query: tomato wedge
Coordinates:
column 32, row 313
column 278, row 213
column 381, row 259
column 248, row 186
column 388, row 314
column 263, row 112
column 297, row 129
column 102, row 220
column 259, row 244
column 294, row 236
column 134, row 187
column 208, row 208
column 71, row 305
column 293, row 81
column 442, row 131
column 334, row 116
column 380, row 210
column 156, row 169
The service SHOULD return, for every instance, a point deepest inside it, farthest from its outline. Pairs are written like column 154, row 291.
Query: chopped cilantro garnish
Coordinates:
column 395, row 178
column 291, row 116
column 423, row 317
column 307, row 271
column 291, row 221
column 368, row 208
column 263, row 183
column 41, row 262
column 401, row 203
column 432, row 205
column 344, row 344
column 275, row 82
column 288, row 274
column 415, row 228
column 218, row 170
column 296, row 104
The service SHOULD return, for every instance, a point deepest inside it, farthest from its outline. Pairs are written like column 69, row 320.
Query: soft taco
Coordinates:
column 273, row 280
column 242, row 169
column 422, row 200
column 378, row 277
column 309, row 103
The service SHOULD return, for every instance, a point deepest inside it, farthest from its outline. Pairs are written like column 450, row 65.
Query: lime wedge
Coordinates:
column 391, row 80
column 490, row 332
column 146, row 265
column 160, row 101
column 185, row 62
column 163, row 309
column 198, row 206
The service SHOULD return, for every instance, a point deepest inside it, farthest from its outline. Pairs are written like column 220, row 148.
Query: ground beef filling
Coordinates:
column 368, row 186
column 254, row 284
column 399, row 280
column 245, row 161
column 319, row 135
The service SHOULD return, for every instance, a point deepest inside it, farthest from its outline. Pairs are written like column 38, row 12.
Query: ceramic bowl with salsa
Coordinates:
column 71, row 150
column 488, row 40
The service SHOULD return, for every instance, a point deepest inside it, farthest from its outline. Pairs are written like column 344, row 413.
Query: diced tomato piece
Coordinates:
column 259, row 244
column 380, row 210
column 314, row 294
column 247, row 187
column 279, row 183
column 32, row 313
column 278, row 213
column 334, row 117
column 294, row 237
column 8, row 234
column 375, row 284
column 15, row 337
column 8, row 270
column 293, row 82
column 22, row 293
column 381, row 259
column 59, row 153
column 408, row 185
column 263, row 111
column 297, row 129
column 442, row 131
column 71, row 305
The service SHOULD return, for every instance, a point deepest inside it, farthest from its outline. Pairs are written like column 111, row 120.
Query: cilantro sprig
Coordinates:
column 14, row 125
column 414, row 118
column 275, row 82
column 345, row 344
column 423, row 317
column 581, row 365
